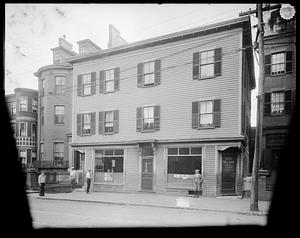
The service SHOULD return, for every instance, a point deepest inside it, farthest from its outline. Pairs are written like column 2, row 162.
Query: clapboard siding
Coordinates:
column 175, row 94
column 209, row 171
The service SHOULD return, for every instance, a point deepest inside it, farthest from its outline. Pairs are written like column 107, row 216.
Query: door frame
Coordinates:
column 232, row 155
column 152, row 178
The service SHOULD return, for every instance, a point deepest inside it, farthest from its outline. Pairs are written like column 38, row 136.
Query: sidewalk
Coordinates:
column 218, row 204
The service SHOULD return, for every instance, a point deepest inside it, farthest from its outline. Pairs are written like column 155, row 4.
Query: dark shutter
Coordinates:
column 117, row 79
column 93, row 82
column 28, row 129
column 267, row 104
column 289, row 62
column 140, row 70
column 29, row 104
column 195, row 114
column 157, row 68
column 139, row 118
column 17, row 129
column 217, row 113
column 288, row 101
column 196, row 65
column 101, row 123
column 218, row 61
column 79, row 85
column 79, row 124
column 101, row 81
column 267, row 159
column 116, row 121
column 157, row 118
column 267, row 65
column 93, row 123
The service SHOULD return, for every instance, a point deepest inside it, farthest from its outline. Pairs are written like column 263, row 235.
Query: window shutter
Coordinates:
column 157, row 118
column 79, row 85
column 93, row 81
column 157, row 67
column 267, row 104
column 195, row 114
column 28, row 129
column 218, row 61
column 288, row 101
column 267, row 65
column 267, row 159
column 139, row 118
column 79, row 124
column 217, row 113
column 102, row 86
column 140, row 70
column 117, row 79
column 17, row 129
column 93, row 123
column 116, row 121
column 289, row 62
column 101, row 123
column 196, row 66
column 29, row 105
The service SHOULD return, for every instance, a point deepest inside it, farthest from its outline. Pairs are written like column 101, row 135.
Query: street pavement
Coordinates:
column 231, row 204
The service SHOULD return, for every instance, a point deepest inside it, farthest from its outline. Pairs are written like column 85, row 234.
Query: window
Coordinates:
column 41, row 151
column 184, row 160
column 60, row 84
column 33, row 156
column 23, row 129
column 278, row 63
column 43, row 87
column 33, row 130
column 83, row 50
column 148, row 118
column 277, row 102
column 86, row 84
column 207, row 64
column 23, row 104
column 109, row 122
column 56, row 59
column 13, row 108
column 206, row 114
column 59, row 114
column 58, row 148
column 149, row 73
column 34, row 105
column 14, row 128
column 42, row 115
column 23, row 156
column 109, row 160
column 276, row 139
column 109, row 80
column 86, row 124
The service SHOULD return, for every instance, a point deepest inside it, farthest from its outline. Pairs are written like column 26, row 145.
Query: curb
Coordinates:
column 153, row 205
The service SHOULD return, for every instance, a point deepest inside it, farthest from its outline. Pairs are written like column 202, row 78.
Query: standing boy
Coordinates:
column 42, row 182
column 88, row 180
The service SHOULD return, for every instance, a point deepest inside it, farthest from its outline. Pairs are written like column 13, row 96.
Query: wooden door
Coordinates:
column 228, row 174
column 147, row 174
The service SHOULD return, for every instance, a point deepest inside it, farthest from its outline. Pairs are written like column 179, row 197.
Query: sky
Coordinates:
column 31, row 30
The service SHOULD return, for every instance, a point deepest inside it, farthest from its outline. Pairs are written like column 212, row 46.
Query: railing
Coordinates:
column 25, row 141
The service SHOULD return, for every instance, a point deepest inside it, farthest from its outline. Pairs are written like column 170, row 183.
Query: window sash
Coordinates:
column 60, row 84
column 87, row 84
column 149, row 73
column 278, row 63
column 277, row 102
column 206, row 113
column 86, row 123
column 33, row 130
column 109, row 86
column 23, row 129
column 34, row 105
column 109, row 121
column 148, row 118
column 23, row 104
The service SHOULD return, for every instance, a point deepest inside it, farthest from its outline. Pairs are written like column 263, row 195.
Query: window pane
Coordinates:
column 206, row 70
column 196, row 150
column 109, row 116
column 109, row 86
column 148, row 112
column 207, row 57
column 109, row 75
column 108, row 152
column 173, row 151
column 149, row 79
column 205, row 119
column 99, row 153
column 184, row 151
column 119, row 152
column 148, row 67
column 99, row 165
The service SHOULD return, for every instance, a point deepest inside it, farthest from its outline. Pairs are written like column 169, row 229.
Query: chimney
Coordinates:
column 115, row 38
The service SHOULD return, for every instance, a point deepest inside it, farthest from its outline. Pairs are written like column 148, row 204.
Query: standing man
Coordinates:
column 198, row 180
column 42, row 182
column 72, row 176
column 88, row 180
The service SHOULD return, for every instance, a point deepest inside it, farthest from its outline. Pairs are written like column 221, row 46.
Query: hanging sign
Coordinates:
column 287, row 11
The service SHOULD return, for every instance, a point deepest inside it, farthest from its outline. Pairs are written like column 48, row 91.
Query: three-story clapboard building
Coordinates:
column 145, row 115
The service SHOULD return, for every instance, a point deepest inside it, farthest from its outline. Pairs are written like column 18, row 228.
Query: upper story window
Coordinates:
column 42, row 116
column 86, row 123
column 59, row 114
column 57, row 59
column 86, row 84
column 33, row 130
column 13, row 108
column 148, row 118
column 206, row 114
column 109, row 122
column 83, row 50
column 278, row 102
column 279, row 63
column 109, row 80
column 23, row 104
column 41, row 151
column 149, row 73
column 43, row 87
column 60, row 84
column 34, row 105
column 207, row 64
column 58, row 153
column 14, row 128
column 23, row 129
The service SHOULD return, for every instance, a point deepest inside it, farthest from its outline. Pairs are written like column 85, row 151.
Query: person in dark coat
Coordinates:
column 42, row 183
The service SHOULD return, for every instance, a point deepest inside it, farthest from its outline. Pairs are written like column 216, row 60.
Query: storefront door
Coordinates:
column 147, row 173
column 228, row 174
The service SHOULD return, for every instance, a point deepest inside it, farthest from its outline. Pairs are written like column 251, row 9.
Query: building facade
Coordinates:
column 146, row 115
column 279, row 95
column 23, row 106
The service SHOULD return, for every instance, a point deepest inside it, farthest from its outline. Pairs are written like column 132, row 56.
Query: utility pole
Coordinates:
column 260, row 99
